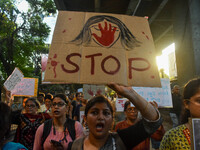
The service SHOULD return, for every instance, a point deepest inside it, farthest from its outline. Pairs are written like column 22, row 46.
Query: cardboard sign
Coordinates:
column 194, row 125
column 96, row 48
column 92, row 90
column 161, row 95
column 27, row 87
column 13, row 79
column 120, row 104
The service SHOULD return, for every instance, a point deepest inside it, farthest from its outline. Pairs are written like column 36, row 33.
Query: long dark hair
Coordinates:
column 190, row 89
column 5, row 122
column 128, row 40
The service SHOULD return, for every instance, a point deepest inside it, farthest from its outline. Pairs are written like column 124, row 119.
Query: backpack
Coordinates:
column 69, row 124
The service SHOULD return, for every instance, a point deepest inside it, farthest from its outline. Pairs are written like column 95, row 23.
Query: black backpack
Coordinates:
column 69, row 124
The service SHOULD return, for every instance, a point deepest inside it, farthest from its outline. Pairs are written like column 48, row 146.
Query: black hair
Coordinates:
column 78, row 93
column 5, row 122
column 49, row 96
column 126, row 104
column 128, row 40
column 190, row 89
column 98, row 99
column 34, row 101
column 61, row 96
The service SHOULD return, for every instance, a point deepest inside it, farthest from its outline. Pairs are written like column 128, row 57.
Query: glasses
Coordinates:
column 131, row 110
column 58, row 104
column 30, row 106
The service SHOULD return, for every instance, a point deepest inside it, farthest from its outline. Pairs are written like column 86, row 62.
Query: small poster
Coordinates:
column 120, row 104
column 195, row 133
column 92, row 90
column 27, row 87
column 13, row 79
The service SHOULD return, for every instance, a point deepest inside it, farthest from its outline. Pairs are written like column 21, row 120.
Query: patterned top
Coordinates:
column 27, row 126
column 177, row 138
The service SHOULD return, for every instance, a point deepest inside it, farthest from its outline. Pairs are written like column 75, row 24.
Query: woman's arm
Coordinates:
column 146, row 109
column 38, row 138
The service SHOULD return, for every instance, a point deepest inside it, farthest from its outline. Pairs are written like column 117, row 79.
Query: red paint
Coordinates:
column 54, row 64
column 107, row 35
column 90, row 92
column 98, row 92
column 147, row 37
column 110, row 72
column 143, row 33
column 64, row 31
column 152, row 77
column 68, row 59
column 130, row 60
column 92, row 61
column 70, row 18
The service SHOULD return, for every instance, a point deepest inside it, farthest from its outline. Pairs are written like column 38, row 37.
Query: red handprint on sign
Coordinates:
column 90, row 92
column 107, row 35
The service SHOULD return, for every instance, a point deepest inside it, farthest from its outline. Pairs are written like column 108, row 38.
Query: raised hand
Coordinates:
column 107, row 35
column 120, row 89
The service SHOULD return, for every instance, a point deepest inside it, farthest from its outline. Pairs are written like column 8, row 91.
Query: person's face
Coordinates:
column 99, row 120
column 47, row 103
column 31, row 107
column 176, row 90
column 194, row 105
column 131, row 113
column 79, row 97
column 59, row 107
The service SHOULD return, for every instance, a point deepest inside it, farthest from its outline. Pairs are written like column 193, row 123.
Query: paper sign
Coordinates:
column 195, row 133
column 13, row 79
column 27, row 87
column 120, row 104
column 96, row 48
column 82, row 113
column 92, row 90
column 161, row 95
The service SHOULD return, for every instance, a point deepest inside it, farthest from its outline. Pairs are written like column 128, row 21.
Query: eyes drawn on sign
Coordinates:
column 113, row 30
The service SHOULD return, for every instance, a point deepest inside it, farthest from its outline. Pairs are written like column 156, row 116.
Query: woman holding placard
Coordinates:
column 179, row 137
column 99, row 118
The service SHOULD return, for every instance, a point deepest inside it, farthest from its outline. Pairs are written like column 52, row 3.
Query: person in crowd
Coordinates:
column 28, row 122
column 179, row 137
column 76, row 111
column 132, row 118
column 99, row 118
column 60, row 128
column 5, row 124
column 177, row 105
column 47, row 101
column 40, row 98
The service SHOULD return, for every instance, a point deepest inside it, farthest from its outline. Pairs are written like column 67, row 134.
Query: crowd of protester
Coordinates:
column 55, row 122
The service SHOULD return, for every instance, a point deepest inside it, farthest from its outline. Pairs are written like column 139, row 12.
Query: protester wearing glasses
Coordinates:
column 28, row 122
column 59, row 137
column 132, row 117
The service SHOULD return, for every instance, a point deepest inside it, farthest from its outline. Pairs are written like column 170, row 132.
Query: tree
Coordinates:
column 22, row 36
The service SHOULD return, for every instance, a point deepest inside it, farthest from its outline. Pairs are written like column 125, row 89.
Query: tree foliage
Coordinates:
column 22, row 36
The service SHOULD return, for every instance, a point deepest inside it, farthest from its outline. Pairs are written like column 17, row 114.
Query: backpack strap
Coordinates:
column 70, row 125
column 46, row 130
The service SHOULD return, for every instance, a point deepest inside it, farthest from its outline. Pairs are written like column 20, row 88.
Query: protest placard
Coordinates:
column 96, row 48
column 194, row 125
column 27, row 87
column 13, row 79
column 119, row 104
column 92, row 90
column 161, row 95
